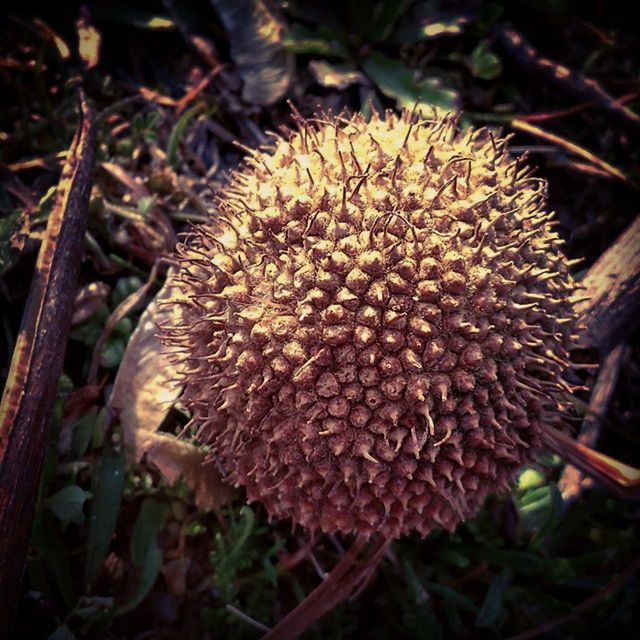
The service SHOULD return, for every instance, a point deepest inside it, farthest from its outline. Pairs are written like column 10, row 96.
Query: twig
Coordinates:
column 615, row 585
column 569, row 111
column 612, row 288
column 245, row 618
column 573, row 481
column 619, row 478
column 37, row 361
column 341, row 582
column 194, row 92
column 118, row 313
column 567, row 79
column 567, row 145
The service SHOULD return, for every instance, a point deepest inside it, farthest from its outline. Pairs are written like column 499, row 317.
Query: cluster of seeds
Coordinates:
column 375, row 323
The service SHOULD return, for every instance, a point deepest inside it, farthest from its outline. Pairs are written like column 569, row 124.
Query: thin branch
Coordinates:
column 573, row 480
column 571, row 147
column 619, row 478
column 587, row 89
column 614, row 586
column 127, row 305
column 339, row 584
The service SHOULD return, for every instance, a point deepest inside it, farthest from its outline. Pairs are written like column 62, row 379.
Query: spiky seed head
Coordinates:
column 375, row 323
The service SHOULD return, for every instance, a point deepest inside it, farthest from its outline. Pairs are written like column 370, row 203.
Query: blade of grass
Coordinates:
column 145, row 551
column 177, row 132
column 567, row 145
column 107, row 495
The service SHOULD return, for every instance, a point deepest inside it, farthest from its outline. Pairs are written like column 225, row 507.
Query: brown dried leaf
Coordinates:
column 14, row 231
column 61, row 47
column 145, row 387
column 176, row 458
column 144, row 391
column 335, row 76
column 131, row 184
column 89, row 40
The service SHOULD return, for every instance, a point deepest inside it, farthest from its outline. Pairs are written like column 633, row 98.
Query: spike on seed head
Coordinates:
column 350, row 348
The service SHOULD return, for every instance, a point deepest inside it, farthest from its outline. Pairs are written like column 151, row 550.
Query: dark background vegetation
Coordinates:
column 158, row 566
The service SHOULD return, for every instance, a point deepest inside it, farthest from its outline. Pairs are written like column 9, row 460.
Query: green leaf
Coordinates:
column 520, row 561
column 375, row 23
column 112, row 353
column 145, row 551
column 67, row 504
column 461, row 601
column 62, row 633
column 145, row 531
column 530, row 479
column 108, row 486
column 494, row 600
column 177, row 132
column 89, row 607
column 125, row 287
column 120, row 12
column 398, row 82
column 554, row 514
column 145, row 204
column 270, row 571
column 484, row 63
column 81, row 433
column 539, row 506
column 48, row 541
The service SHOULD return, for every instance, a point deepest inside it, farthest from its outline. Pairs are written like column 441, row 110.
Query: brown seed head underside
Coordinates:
column 373, row 327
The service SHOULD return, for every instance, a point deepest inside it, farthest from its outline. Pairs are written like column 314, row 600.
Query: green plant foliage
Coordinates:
column 399, row 83
column 145, row 551
column 107, row 496
column 67, row 504
column 484, row 64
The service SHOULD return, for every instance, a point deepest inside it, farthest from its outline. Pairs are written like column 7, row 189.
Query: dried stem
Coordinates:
column 583, row 88
column 573, row 481
column 619, row 478
column 339, row 584
column 127, row 305
column 612, row 288
column 609, row 313
column 36, row 364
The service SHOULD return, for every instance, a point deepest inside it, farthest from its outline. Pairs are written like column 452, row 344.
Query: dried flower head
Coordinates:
column 374, row 325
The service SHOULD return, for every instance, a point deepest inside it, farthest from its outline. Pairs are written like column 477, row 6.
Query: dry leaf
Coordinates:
column 56, row 40
column 145, row 387
column 89, row 40
column 335, row 76
column 176, row 458
column 144, row 391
